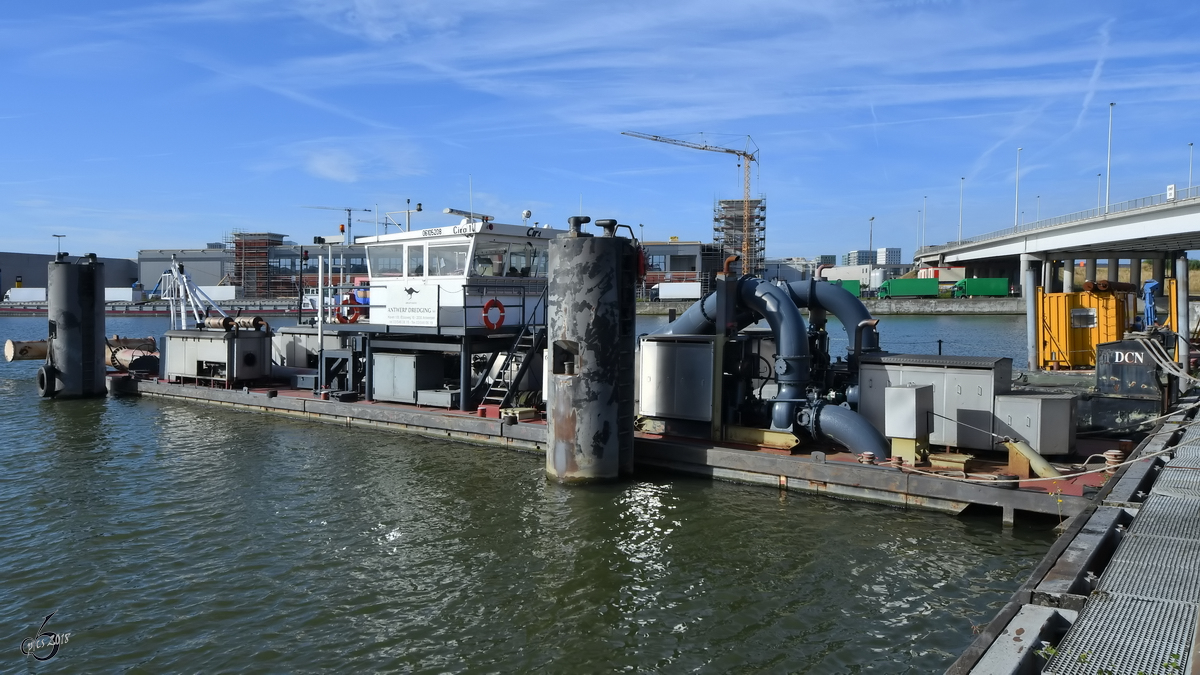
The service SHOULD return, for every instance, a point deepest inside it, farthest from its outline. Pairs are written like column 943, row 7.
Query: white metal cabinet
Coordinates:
column 1045, row 421
column 964, row 390
column 398, row 377
column 676, row 377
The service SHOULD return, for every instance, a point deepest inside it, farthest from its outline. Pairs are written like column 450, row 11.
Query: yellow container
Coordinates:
column 1070, row 325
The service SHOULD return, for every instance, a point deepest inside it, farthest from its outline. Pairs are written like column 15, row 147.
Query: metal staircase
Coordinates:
column 501, row 382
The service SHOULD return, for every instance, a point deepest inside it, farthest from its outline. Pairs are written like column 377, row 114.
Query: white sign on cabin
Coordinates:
column 412, row 302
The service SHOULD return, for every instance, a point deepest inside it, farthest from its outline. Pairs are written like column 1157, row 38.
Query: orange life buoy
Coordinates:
column 487, row 311
column 353, row 316
column 641, row 263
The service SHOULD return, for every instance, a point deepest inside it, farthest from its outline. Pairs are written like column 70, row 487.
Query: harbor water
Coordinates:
column 168, row 537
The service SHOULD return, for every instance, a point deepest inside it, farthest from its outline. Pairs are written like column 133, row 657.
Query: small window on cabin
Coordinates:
column 385, row 261
column 448, row 260
column 489, row 259
column 416, row 260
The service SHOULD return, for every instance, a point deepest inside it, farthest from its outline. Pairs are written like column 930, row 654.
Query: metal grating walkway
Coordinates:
column 1142, row 616
column 1126, row 635
column 1188, row 446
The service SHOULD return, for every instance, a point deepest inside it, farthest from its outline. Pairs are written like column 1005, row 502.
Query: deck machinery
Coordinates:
column 716, row 373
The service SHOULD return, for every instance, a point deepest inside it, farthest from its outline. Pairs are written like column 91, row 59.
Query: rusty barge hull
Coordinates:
column 843, row 480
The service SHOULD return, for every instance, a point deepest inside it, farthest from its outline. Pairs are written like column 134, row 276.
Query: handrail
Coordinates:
column 1184, row 195
column 507, row 362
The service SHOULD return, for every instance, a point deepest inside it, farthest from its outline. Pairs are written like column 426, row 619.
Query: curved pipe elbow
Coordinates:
column 849, row 310
column 696, row 320
column 848, row 428
column 775, row 305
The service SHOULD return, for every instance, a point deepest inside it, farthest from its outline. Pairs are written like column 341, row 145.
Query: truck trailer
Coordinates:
column 909, row 288
column 992, row 288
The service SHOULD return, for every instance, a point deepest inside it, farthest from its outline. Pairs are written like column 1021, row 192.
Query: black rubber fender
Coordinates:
column 46, row 382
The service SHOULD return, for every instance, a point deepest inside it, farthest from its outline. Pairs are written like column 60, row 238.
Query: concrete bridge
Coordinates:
column 1160, row 228
column 1157, row 228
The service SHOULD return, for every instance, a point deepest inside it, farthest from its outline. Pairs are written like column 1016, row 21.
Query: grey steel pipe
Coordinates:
column 862, row 327
column 1183, row 324
column 696, row 320
column 1029, row 291
column 839, row 302
column 810, row 294
column 850, row 429
column 791, row 341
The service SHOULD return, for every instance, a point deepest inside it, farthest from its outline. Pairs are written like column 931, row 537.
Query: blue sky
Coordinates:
column 130, row 125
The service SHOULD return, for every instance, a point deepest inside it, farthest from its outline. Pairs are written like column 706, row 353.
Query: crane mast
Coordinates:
column 749, row 263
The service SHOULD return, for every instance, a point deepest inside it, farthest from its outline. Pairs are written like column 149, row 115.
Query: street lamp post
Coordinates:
column 1017, row 199
column 1108, row 171
column 871, row 234
column 918, row 234
column 1038, row 212
column 407, row 216
column 58, row 239
column 960, row 205
column 924, row 217
column 1190, row 148
column 1098, row 177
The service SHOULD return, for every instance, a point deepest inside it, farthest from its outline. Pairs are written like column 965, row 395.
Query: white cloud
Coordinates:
column 331, row 164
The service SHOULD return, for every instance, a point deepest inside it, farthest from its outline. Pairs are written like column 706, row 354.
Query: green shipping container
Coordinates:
column 996, row 288
column 919, row 288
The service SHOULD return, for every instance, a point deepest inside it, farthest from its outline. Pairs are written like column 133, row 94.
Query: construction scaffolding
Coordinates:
column 254, row 268
column 729, row 231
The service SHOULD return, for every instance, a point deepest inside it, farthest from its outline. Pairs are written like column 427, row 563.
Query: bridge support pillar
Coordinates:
column 1089, row 269
column 1184, row 324
column 1029, row 291
column 1048, row 275
column 1068, row 276
column 1156, row 273
column 1135, row 272
column 1114, row 269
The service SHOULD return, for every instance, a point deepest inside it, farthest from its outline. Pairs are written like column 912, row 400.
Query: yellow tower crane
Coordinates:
column 745, row 157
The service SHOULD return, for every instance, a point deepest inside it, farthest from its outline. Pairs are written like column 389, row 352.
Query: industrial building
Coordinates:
column 262, row 265
column 28, row 270
column 675, row 261
column 860, row 257
column 887, row 256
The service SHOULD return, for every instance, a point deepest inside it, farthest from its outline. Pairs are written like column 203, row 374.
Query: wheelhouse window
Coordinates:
column 522, row 261
column 416, row 260
column 448, row 260
column 490, row 259
column 386, row 261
